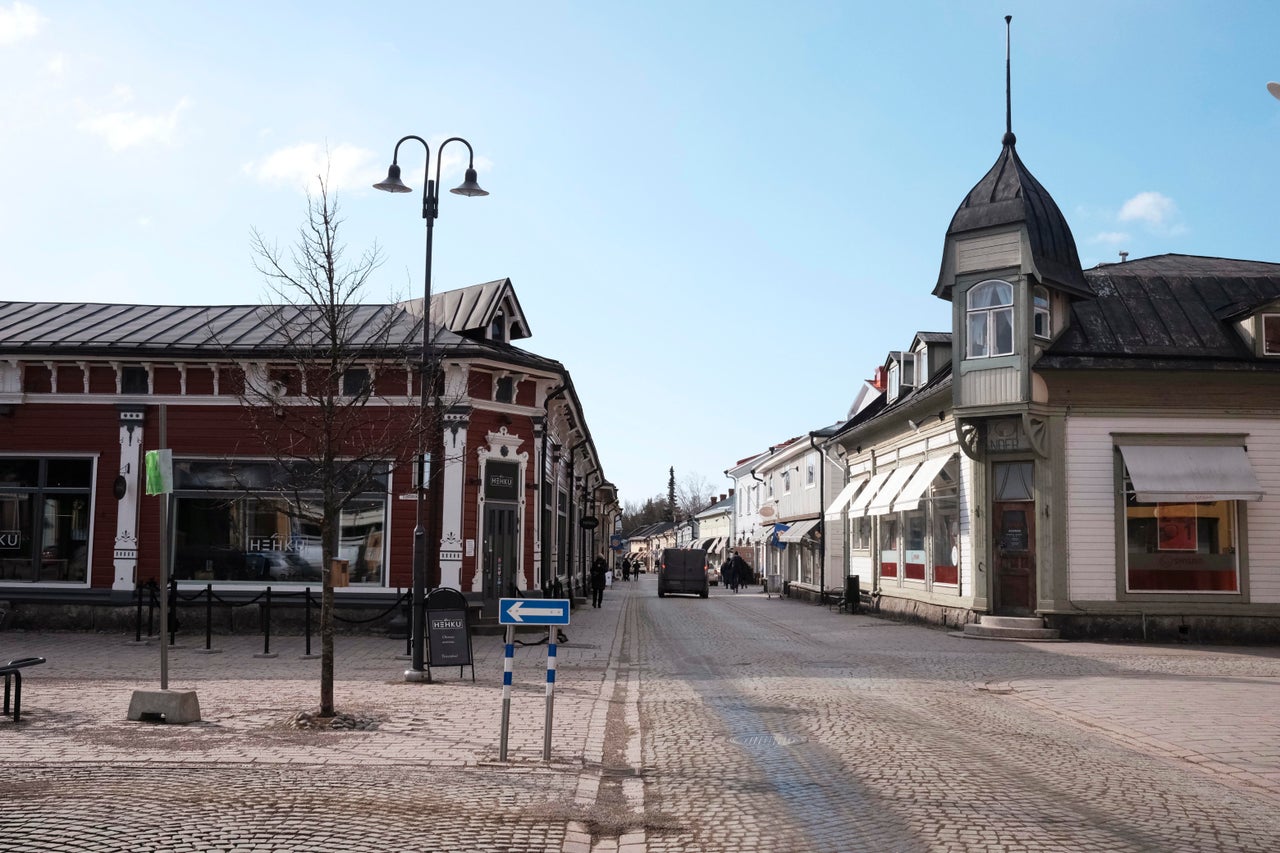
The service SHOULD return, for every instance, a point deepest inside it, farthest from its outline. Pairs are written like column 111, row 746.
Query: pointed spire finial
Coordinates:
column 1009, row 138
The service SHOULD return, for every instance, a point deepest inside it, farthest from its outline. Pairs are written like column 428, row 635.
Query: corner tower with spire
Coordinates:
column 1010, row 269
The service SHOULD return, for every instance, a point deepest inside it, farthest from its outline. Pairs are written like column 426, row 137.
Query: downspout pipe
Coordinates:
column 545, row 568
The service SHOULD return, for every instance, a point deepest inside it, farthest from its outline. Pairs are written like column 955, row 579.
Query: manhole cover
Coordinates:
column 767, row 740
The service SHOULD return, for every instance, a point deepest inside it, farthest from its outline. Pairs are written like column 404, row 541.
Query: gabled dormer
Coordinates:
column 900, row 375
column 1260, row 328
column 932, row 351
column 488, row 311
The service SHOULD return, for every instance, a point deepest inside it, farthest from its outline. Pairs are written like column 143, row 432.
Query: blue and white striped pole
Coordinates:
column 507, row 661
column 551, row 690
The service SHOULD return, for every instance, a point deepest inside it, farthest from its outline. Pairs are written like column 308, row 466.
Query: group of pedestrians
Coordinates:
column 602, row 577
column 735, row 572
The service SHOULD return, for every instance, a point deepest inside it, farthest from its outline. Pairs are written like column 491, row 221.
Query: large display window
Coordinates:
column 45, row 511
column 256, row 522
column 1181, row 547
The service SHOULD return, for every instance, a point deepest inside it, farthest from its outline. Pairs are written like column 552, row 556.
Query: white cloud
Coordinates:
column 56, row 65
column 128, row 129
column 1112, row 238
column 1152, row 208
column 299, row 166
column 19, row 21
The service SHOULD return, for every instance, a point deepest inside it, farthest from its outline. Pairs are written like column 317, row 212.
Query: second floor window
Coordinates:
column 989, row 319
column 1043, row 318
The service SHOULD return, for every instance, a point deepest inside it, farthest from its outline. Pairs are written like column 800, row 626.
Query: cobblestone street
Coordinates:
column 738, row 723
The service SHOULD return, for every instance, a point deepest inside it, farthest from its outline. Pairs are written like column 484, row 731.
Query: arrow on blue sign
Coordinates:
column 535, row 611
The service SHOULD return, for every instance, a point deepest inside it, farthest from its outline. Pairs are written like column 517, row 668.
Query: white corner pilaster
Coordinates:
column 125, row 559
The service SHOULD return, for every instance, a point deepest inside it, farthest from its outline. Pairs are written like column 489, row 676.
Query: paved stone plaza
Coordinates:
column 738, row 723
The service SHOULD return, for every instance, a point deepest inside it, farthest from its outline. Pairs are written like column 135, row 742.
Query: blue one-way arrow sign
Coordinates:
column 533, row 611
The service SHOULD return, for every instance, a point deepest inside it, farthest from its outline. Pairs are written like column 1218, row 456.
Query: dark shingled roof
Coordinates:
column 1166, row 311
column 1009, row 194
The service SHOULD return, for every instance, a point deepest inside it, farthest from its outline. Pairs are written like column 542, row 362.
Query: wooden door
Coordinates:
column 1014, row 557
column 501, row 539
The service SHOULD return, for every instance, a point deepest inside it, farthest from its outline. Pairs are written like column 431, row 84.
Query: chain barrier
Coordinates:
column 150, row 592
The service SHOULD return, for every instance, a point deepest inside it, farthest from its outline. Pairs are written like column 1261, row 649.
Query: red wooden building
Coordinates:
column 86, row 389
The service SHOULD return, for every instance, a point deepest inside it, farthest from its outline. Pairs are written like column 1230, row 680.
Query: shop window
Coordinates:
column 1180, row 547
column 258, row 522
column 944, row 521
column 45, row 510
column 913, row 556
column 889, row 546
column 1043, row 320
column 860, row 533
column 1271, row 334
column 989, row 319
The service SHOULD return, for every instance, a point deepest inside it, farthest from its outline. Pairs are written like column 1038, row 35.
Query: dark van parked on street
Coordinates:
column 683, row 571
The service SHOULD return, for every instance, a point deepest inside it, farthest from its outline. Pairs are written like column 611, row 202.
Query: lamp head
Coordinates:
column 469, row 185
column 392, row 183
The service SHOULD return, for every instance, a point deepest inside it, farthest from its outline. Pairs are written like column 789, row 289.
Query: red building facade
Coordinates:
column 86, row 390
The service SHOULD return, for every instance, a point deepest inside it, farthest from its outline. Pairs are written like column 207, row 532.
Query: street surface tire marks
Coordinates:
column 849, row 746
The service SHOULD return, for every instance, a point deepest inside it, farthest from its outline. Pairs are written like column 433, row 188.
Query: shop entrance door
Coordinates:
column 1014, row 547
column 501, row 541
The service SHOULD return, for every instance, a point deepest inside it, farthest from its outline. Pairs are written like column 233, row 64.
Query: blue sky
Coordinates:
column 719, row 215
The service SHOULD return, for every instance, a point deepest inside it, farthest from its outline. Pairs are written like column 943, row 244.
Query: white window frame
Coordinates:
column 1262, row 333
column 988, row 314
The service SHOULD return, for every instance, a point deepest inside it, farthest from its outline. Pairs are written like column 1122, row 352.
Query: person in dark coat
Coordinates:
column 599, row 575
column 729, row 574
column 739, row 569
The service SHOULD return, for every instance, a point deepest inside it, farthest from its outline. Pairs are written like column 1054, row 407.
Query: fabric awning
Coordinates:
column 1168, row 473
column 909, row 497
column 883, row 500
column 859, row 505
column 765, row 532
column 842, row 499
column 798, row 530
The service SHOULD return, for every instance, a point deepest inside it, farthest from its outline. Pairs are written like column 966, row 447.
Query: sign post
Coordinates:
column 530, row 611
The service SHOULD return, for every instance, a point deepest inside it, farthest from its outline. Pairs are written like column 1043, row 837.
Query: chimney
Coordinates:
column 881, row 380
column 731, row 493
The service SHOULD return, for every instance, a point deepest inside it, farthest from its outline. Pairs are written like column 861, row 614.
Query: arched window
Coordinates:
column 990, row 319
column 1043, row 321
column 498, row 331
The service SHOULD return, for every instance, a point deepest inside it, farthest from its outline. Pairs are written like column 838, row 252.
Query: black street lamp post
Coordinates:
column 421, row 542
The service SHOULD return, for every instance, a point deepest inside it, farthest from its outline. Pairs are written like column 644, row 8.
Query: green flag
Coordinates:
column 159, row 472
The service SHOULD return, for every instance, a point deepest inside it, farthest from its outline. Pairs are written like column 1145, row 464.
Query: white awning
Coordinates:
column 1170, row 473
column 884, row 499
column 842, row 499
column 798, row 530
column 859, row 505
column 909, row 497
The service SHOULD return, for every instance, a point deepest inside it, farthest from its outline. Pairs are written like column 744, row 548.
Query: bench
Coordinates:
column 13, row 672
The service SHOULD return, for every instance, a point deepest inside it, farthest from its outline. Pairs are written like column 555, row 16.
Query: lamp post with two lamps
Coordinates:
column 422, row 543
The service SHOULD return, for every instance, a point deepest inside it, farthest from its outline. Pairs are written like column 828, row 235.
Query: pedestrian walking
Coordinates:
column 599, row 577
column 626, row 568
column 730, row 575
column 739, row 569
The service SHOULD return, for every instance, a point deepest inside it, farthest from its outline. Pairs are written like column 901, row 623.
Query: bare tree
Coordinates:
column 693, row 494
column 309, row 405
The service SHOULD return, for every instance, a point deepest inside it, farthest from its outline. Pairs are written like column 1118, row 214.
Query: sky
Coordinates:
column 720, row 216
